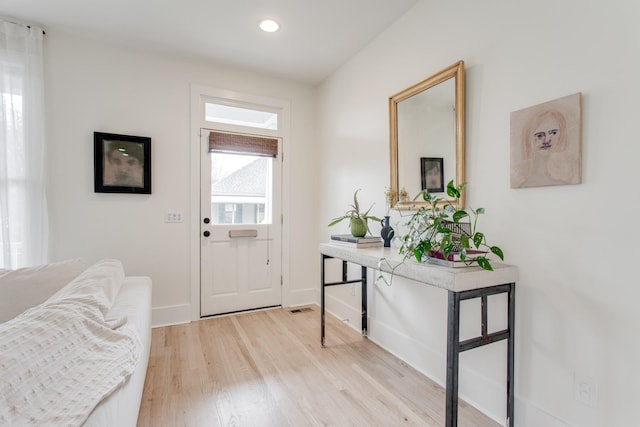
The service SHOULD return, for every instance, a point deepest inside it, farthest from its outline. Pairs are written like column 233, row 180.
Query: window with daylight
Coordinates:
column 23, row 210
column 241, row 177
column 256, row 117
column 240, row 188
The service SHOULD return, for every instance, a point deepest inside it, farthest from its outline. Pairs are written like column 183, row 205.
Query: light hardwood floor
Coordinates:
column 267, row 368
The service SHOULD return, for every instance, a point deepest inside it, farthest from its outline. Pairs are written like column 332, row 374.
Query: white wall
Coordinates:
column 97, row 87
column 578, row 293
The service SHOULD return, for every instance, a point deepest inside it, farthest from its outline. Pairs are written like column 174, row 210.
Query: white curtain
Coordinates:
column 23, row 207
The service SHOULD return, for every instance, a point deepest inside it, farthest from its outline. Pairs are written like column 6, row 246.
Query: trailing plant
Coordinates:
column 441, row 228
column 358, row 221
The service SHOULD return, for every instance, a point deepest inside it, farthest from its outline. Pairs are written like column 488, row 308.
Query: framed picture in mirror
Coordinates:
column 432, row 172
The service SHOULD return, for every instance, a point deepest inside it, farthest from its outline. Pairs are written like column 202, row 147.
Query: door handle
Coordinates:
column 206, row 233
column 243, row 233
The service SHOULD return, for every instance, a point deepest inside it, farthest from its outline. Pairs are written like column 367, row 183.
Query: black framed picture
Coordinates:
column 432, row 174
column 122, row 163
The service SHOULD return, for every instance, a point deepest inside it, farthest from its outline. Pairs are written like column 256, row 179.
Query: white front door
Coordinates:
column 240, row 227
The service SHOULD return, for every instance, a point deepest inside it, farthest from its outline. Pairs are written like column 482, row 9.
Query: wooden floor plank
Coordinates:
column 267, row 368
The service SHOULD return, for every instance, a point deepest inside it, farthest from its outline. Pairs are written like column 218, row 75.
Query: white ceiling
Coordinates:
column 316, row 36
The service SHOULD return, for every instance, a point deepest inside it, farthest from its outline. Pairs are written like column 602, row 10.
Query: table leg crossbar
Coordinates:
column 455, row 346
column 362, row 280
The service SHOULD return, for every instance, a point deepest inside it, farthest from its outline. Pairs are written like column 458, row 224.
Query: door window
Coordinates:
column 241, row 189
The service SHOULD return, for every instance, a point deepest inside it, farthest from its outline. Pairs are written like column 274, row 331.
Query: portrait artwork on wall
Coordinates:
column 432, row 172
column 546, row 143
column 122, row 163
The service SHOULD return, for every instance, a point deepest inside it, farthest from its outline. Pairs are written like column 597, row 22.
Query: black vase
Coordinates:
column 387, row 232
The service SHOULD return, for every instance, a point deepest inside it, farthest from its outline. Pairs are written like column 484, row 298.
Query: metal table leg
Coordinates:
column 344, row 281
column 511, row 355
column 454, row 346
column 322, row 258
column 363, row 321
column 453, row 359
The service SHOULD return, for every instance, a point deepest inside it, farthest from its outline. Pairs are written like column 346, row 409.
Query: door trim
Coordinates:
column 198, row 93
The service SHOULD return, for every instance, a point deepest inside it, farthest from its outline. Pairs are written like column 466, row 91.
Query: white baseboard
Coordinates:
column 177, row 314
column 409, row 350
column 300, row 297
column 344, row 312
column 170, row 315
column 528, row 415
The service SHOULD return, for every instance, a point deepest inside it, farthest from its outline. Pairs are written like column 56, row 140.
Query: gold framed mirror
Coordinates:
column 427, row 144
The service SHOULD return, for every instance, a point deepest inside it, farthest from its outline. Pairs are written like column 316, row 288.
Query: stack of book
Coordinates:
column 454, row 260
column 356, row 242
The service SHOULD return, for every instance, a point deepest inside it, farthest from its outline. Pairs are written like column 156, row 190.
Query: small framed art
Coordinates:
column 432, row 174
column 122, row 163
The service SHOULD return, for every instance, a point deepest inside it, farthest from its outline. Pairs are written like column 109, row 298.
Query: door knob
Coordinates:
column 206, row 233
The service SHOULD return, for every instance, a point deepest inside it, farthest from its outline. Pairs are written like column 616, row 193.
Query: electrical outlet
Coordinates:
column 173, row 217
column 586, row 392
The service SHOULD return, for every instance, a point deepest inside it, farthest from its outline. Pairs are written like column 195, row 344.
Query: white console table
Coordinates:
column 460, row 283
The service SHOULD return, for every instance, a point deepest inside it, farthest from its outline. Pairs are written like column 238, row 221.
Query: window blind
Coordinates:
column 247, row 144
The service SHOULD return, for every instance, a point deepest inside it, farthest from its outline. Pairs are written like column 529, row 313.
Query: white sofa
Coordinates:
column 74, row 344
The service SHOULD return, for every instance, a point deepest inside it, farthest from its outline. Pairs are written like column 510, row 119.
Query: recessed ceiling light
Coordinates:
column 269, row 25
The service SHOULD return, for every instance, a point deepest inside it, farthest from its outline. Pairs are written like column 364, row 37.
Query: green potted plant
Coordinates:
column 442, row 230
column 358, row 221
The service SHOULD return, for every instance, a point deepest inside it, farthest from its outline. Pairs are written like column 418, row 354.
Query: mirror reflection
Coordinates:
column 426, row 128
column 427, row 135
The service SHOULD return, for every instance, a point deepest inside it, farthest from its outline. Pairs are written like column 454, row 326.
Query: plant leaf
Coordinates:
column 496, row 250
column 446, row 245
column 452, row 191
column 484, row 263
column 337, row 220
column 422, row 248
column 356, row 206
column 478, row 238
column 459, row 214
column 367, row 216
column 464, row 241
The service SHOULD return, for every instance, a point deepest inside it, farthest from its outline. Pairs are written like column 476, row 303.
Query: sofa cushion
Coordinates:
column 98, row 285
column 27, row 287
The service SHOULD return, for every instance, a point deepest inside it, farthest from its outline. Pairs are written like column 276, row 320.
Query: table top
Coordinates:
column 452, row 279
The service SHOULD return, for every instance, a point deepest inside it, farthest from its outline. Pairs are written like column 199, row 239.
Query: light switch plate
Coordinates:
column 173, row 217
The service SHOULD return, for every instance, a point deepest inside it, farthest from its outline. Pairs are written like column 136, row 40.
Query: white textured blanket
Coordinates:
column 59, row 360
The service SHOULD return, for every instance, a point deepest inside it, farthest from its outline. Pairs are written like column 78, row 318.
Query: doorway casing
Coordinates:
column 199, row 94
